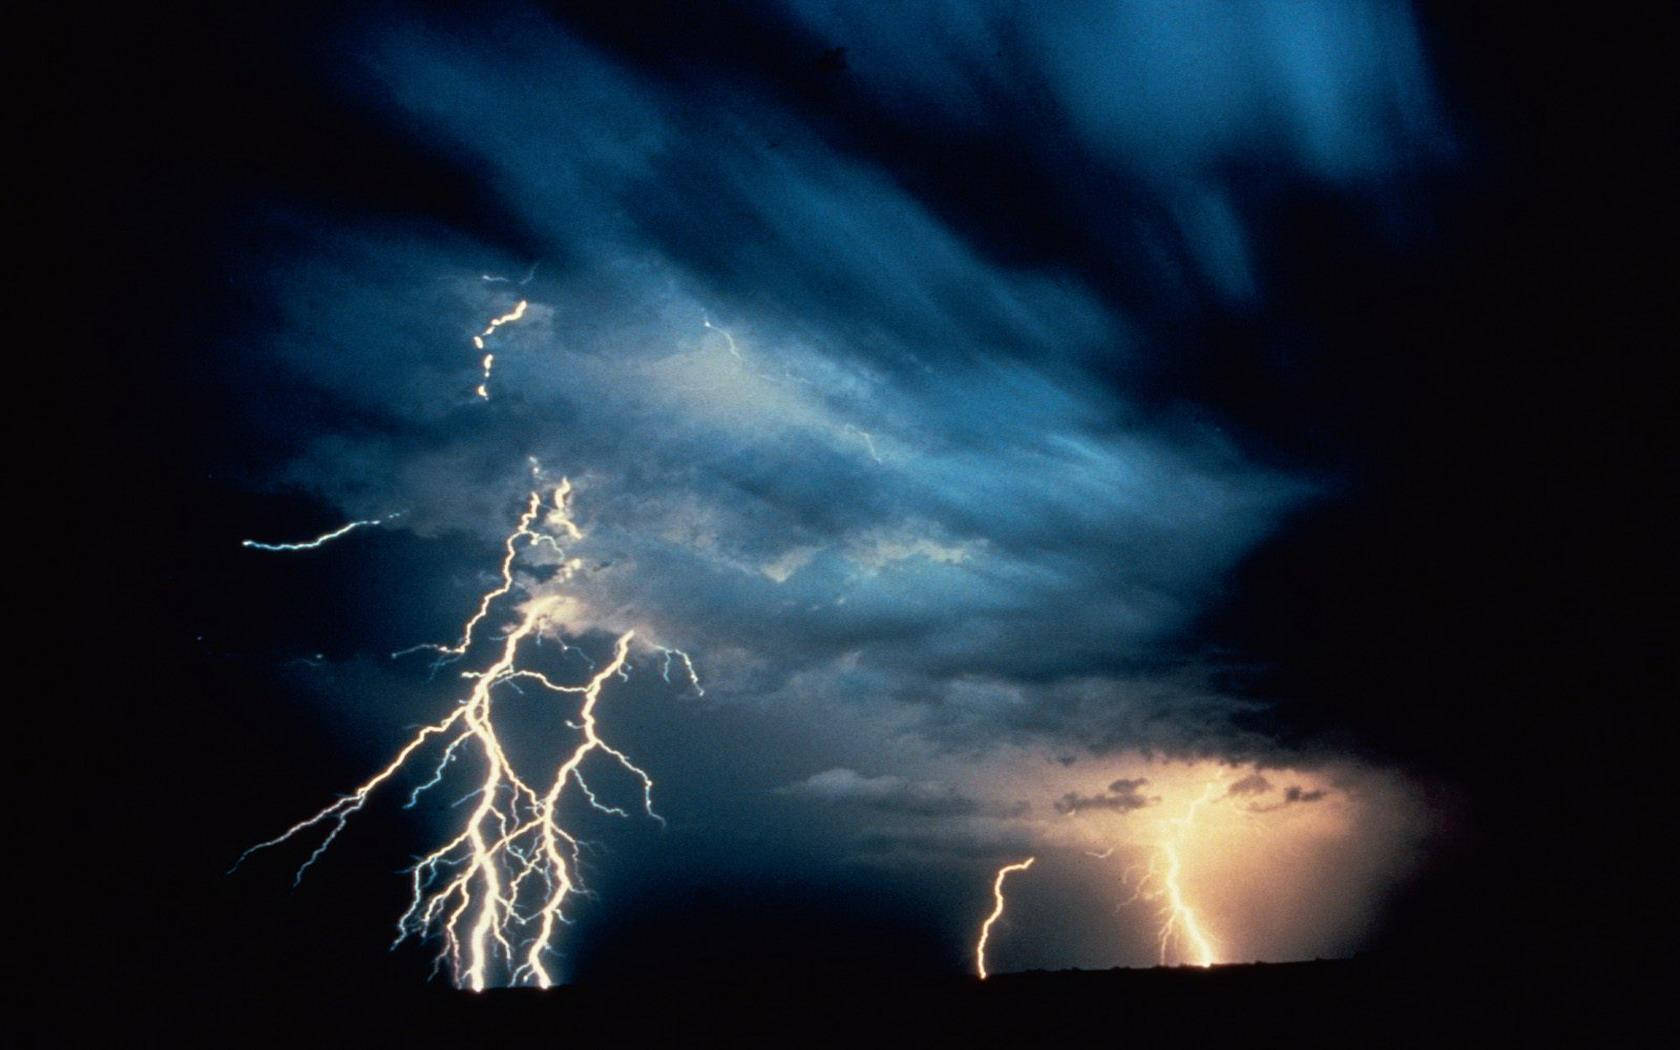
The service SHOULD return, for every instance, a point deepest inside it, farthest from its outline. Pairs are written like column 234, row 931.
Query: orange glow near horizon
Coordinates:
column 1201, row 861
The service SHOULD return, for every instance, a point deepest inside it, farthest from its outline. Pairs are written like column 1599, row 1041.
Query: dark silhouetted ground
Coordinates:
column 1369, row 1001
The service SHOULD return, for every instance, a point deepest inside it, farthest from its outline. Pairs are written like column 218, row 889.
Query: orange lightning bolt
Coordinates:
column 497, row 890
column 997, row 911
column 1160, row 882
column 490, row 359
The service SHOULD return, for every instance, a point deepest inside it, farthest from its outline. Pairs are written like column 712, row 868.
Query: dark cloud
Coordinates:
column 1253, row 784
column 1123, row 796
column 1291, row 795
column 894, row 794
column 809, row 413
column 920, row 845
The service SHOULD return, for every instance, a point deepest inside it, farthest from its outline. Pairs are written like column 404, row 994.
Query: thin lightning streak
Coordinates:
column 319, row 541
column 489, row 358
column 865, row 436
column 496, row 892
column 688, row 667
column 561, row 516
column 734, row 351
column 997, row 911
column 868, row 441
column 498, row 279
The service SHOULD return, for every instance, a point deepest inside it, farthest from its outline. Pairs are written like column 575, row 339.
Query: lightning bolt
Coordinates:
column 997, row 911
column 868, row 441
column 560, row 518
column 688, row 668
column 478, row 341
column 497, row 891
column 1161, row 882
column 729, row 340
column 491, row 278
column 848, row 429
column 319, row 541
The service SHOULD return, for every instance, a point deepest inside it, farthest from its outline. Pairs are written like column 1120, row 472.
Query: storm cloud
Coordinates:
column 810, row 407
column 1253, row 784
column 894, row 794
column 1122, row 796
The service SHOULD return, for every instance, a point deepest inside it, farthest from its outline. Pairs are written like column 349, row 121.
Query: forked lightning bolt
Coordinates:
column 496, row 892
column 319, row 541
column 1160, row 882
column 687, row 665
column 559, row 517
column 489, row 358
column 997, row 911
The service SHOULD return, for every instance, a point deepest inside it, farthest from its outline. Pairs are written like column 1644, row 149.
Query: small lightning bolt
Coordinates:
column 868, row 441
column 496, row 892
column 729, row 340
column 478, row 341
column 997, row 911
column 1160, row 882
column 688, row 668
column 319, row 541
column 848, row 429
column 491, row 278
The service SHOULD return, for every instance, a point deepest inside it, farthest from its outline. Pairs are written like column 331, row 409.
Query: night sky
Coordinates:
column 1025, row 416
